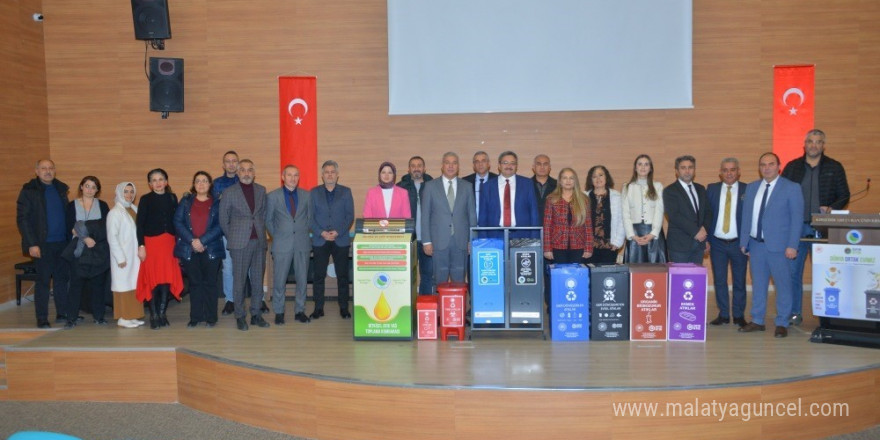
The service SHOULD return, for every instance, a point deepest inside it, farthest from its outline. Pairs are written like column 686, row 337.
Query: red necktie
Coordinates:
column 507, row 203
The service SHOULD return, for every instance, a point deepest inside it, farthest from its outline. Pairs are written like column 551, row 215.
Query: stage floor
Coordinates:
column 324, row 349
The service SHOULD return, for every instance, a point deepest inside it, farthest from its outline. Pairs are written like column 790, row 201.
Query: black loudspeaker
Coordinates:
column 151, row 20
column 166, row 84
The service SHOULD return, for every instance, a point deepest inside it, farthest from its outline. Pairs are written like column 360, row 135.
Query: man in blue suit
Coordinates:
column 509, row 201
column 726, row 199
column 770, row 232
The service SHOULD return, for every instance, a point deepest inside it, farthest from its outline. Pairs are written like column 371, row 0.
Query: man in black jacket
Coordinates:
column 40, row 214
column 414, row 184
column 823, row 184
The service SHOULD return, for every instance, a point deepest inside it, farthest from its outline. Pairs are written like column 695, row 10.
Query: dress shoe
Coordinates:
column 780, row 332
column 301, row 317
column 43, row 323
column 228, row 308
column 100, row 322
column 344, row 314
column 241, row 323
column 210, row 324
column 796, row 319
column 59, row 318
column 258, row 321
column 317, row 314
column 752, row 327
column 279, row 319
column 69, row 325
column 192, row 324
column 740, row 322
column 80, row 318
column 264, row 308
column 719, row 321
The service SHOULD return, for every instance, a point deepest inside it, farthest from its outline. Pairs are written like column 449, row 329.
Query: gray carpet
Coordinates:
column 149, row 421
column 124, row 421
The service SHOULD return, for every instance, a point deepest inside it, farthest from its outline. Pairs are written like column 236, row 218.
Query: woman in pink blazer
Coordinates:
column 386, row 200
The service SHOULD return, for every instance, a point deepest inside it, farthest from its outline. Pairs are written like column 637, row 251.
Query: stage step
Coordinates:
column 11, row 338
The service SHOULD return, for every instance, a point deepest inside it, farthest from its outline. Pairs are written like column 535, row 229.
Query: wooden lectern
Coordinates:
column 855, row 230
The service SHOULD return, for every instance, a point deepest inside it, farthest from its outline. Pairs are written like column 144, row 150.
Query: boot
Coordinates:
column 154, row 317
column 164, row 291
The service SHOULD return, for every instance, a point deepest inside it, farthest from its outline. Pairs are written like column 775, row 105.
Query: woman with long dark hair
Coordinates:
column 643, row 215
column 607, row 215
column 159, row 277
column 200, row 247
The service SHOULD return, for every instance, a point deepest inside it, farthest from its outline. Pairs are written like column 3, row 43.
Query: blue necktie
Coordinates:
column 761, row 213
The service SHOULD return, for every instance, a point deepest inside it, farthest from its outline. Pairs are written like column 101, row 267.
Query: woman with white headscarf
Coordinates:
column 124, row 261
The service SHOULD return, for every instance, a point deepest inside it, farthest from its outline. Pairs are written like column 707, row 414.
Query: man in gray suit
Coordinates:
column 448, row 213
column 243, row 220
column 287, row 218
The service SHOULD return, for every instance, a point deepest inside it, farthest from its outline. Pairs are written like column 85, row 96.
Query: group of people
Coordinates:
column 75, row 243
column 142, row 247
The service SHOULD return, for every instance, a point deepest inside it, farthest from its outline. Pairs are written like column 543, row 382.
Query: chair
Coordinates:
column 28, row 272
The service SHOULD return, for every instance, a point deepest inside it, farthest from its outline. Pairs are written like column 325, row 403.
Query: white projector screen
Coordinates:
column 475, row 56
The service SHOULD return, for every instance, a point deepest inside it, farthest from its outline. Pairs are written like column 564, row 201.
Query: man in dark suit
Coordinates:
column 448, row 213
column 243, row 220
column 509, row 200
column 414, row 184
column 726, row 199
column 40, row 215
column 288, row 216
column 688, row 214
column 332, row 216
column 773, row 212
column 544, row 184
column 824, row 187
column 480, row 176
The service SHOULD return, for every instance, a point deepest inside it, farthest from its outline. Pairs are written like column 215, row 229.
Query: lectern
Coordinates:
column 846, row 280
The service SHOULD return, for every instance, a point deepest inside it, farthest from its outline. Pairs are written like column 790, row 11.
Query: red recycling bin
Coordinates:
column 426, row 317
column 453, row 306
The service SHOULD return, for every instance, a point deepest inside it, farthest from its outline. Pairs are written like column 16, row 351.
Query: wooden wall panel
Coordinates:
column 99, row 376
column 24, row 131
column 235, row 50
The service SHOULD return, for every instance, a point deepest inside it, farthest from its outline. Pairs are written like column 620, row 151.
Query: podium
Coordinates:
column 385, row 268
column 846, row 280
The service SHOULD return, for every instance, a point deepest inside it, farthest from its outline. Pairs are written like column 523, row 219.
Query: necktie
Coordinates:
column 479, row 191
column 292, row 204
column 694, row 199
column 506, row 203
column 725, row 227
column 450, row 196
column 761, row 213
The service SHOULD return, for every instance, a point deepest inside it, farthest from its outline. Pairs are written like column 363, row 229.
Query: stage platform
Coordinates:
column 313, row 380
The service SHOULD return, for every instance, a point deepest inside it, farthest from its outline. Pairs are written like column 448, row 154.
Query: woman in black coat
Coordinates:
column 88, row 252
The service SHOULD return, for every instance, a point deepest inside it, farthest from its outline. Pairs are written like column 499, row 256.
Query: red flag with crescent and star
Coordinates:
column 297, row 105
column 793, row 109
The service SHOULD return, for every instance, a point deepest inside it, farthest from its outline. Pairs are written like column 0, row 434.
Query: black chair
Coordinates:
column 27, row 272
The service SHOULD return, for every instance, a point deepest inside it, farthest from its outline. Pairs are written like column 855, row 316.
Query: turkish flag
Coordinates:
column 793, row 109
column 298, row 108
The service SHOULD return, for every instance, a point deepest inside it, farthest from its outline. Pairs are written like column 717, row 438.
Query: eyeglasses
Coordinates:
column 507, row 162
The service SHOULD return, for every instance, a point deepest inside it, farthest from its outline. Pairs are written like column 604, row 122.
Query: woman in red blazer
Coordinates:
column 568, row 227
column 386, row 200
